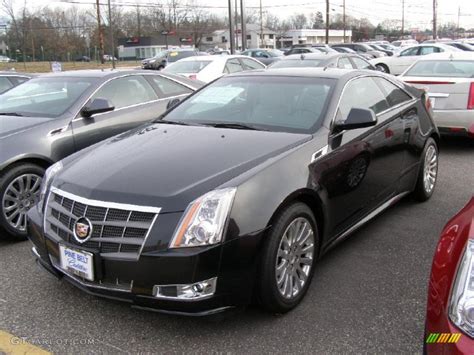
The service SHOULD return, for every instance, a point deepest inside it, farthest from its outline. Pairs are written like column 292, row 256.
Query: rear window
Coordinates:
column 194, row 66
column 296, row 63
column 177, row 55
column 443, row 68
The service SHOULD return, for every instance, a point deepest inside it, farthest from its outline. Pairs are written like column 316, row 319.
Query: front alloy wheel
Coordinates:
column 19, row 191
column 295, row 258
column 288, row 257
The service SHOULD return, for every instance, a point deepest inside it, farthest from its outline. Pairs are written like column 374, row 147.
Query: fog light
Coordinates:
column 184, row 292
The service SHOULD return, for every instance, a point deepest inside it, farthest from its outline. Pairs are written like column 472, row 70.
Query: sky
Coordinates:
column 418, row 13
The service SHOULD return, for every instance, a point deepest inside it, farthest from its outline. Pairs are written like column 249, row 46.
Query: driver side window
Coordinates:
column 361, row 93
column 126, row 91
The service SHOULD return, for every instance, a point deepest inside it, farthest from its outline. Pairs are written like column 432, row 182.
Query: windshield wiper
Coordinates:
column 11, row 114
column 181, row 123
column 233, row 125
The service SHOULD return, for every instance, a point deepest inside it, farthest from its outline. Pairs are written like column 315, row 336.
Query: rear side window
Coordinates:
column 127, row 91
column 430, row 50
column 362, row 93
column 251, row 64
column 394, row 94
column 360, row 63
column 233, row 66
column 409, row 52
column 5, row 84
column 344, row 63
column 443, row 68
column 168, row 87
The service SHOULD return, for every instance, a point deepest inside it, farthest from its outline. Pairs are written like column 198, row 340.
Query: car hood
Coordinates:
column 13, row 124
column 169, row 166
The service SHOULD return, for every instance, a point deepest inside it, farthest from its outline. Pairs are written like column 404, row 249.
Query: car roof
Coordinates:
column 95, row 73
column 330, row 73
column 448, row 56
column 319, row 55
column 212, row 58
column 15, row 73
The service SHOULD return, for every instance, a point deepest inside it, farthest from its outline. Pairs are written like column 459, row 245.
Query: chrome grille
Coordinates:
column 116, row 228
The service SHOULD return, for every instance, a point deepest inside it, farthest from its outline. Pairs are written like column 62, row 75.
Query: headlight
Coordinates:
column 204, row 220
column 461, row 307
column 46, row 183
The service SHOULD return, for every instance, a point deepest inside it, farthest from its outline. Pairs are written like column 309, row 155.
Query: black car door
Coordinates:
column 136, row 99
column 363, row 166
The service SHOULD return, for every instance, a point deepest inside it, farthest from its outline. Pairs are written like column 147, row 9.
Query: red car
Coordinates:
column 450, row 315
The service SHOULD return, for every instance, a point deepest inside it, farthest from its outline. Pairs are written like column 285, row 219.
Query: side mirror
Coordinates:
column 172, row 103
column 358, row 118
column 96, row 106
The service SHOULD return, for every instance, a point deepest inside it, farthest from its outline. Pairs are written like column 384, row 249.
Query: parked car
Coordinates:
column 380, row 48
column 302, row 50
column 5, row 59
column 325, row 48
column 448, row 78
column 83, row 58
column 400, row 61
column 237, row 191
column 161, row 60
column 449, row 327
column 404, row 43
column 330, row 60
column 462, row 46
column 348, row 50
column 265, row 56
column 50, row 117
column 209, row 68
column 10, row 79
column 361, row 48
column 109, row 58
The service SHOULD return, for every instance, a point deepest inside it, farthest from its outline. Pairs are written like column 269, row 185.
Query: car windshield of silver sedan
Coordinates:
column 43, row 97
column 274, row 103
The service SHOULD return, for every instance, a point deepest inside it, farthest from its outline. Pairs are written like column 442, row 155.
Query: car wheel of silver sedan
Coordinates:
column 19, row 191
column 289, row 254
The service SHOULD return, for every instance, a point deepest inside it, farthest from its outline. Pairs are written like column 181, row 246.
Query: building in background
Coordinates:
column 309, row 36
column 136, row 48
column 220, row 38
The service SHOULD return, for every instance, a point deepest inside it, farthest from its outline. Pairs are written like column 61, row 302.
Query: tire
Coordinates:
column 160, row 67
column 383, row 68
column 428, row 173
column 274, row 292
column 29, row 176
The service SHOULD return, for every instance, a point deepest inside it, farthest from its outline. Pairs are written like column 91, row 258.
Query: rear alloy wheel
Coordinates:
column 19, row 191
column 428, row 174
column 288, row 259
column 383, row 68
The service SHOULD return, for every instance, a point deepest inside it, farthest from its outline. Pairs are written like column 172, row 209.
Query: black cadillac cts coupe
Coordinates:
column 237, row 191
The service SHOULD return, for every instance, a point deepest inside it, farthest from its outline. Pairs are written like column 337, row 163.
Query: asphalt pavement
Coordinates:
column 368, row 294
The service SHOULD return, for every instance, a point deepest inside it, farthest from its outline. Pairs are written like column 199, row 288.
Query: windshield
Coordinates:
column 44, row 97
column 296, row 63
column 443, row 68
column 194, row 66
column 285, row 104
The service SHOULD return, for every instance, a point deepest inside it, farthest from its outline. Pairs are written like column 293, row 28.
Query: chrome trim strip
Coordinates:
column 370, row 216
column 57, row 131
column 98, row 203
column 175, row 298
column 35, row 253
column 152, row 224
column 320, row 153
column 437, row 94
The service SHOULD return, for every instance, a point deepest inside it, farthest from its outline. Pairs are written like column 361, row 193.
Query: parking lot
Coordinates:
column 368, row 294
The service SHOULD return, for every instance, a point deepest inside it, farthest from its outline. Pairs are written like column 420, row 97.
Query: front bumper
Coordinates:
column 132, row 281
column 455, row 122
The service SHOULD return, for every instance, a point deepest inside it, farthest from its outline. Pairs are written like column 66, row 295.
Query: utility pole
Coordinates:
column 435, row 32
column 111, row 29
column 101, row 34
column 261, row 24
column 459, row 15
column 327, row 21
column 344, row 19
column 139, row 30
column 403, row 18
column 243, row 24
column 236, row 16
column 231, row 28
